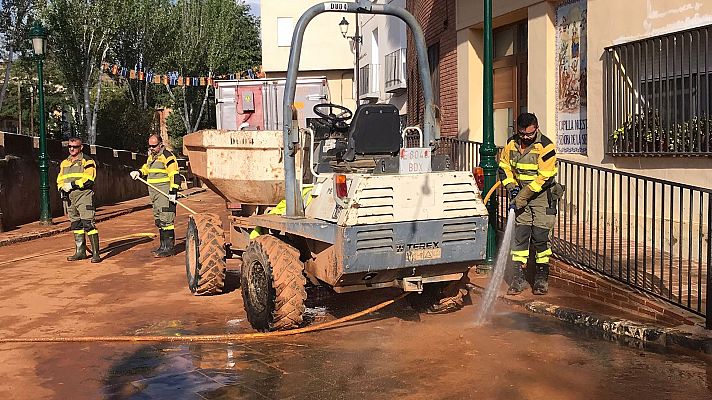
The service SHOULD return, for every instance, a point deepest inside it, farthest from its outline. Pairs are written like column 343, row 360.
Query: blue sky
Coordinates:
column 254, row 5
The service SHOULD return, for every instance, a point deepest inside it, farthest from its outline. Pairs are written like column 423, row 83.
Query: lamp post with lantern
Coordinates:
column 357, row 39
column 38, row 34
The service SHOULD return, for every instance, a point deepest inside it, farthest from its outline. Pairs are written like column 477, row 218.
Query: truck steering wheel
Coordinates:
column 343, row 116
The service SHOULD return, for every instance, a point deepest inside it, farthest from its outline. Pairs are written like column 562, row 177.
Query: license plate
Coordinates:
column 423, row 254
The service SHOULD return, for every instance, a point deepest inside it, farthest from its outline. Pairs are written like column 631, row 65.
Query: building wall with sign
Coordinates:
column 325, row 52
column 564, row 79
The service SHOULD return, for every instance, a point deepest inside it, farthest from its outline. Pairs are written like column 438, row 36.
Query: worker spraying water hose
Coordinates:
column 527, row 170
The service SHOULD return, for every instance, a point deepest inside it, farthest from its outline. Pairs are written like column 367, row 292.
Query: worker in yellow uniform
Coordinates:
column 527, row 169
column 161, row 170
column 281, row 208
column 75, row 182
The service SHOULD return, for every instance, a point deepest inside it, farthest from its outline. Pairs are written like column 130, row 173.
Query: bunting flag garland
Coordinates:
column 173, row 78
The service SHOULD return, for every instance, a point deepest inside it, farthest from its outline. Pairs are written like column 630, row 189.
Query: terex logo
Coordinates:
column 423, row 246
column 417, row 246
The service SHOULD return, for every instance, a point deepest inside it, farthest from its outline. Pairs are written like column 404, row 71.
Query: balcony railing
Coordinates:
column 369, row 85
column 657, row 94
column 395, row 71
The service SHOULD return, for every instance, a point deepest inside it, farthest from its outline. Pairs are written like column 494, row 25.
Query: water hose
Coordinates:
column 152, row 186
column 494, row 187
column 230, row 337
column 137, row 236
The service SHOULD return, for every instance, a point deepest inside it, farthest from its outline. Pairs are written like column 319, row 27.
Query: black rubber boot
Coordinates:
column 169, row 238
column 541, row 279
column 519, row 283
column 80, row 242
column 162, row 244
column 94, row 240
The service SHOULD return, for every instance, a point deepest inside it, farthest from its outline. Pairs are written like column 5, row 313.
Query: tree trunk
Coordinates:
column 95, row 114
column 202, row 107
column 87, row 110
column 6, row 81
column 186, row 120
column 173, row 98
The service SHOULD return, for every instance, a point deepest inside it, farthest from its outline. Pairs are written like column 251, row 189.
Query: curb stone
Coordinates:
column 99, row 218
column 662, row 336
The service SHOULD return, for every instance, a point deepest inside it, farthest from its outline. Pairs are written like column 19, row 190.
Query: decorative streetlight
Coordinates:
column 488, row 149
column 357, row 38
column 38, row 34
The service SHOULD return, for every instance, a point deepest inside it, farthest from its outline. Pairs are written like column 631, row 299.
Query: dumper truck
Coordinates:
column 343, row 202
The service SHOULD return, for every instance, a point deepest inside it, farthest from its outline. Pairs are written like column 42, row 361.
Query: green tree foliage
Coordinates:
column 144, row 36
column 194, row 38
column 81, row 35
column 214, row 37
column 121, row 123
column 24, row 79
column 15, row 19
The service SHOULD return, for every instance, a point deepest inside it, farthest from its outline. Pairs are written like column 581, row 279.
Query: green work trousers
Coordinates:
column 164, row 212
column 80, row 210
column 533, row 225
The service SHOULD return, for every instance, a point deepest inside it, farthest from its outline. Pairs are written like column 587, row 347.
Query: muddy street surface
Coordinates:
column 397, row 352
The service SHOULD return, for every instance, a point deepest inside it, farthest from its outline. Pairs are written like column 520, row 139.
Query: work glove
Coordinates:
column 67, row 187
column 172, row 197
column 513, row 192
column 134, row 174
column 523, row 197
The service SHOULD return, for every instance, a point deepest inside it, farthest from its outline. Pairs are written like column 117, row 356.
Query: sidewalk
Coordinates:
column 588, row 313
column 33, row 230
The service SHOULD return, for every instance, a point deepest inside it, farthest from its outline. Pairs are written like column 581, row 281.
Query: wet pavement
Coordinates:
column 397, row 352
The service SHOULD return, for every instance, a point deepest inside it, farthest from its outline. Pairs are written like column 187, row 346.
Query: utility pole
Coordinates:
column 488, row 151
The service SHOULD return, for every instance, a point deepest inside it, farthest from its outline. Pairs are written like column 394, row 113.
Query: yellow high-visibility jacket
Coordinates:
column 162, row 169
column 81, row 172
column 534, row 166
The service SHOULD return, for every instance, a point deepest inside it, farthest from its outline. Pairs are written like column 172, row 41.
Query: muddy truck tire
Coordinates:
column 273, row 285
column 205, row 255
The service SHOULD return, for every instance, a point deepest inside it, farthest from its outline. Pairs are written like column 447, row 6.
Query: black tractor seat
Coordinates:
column 374, row 131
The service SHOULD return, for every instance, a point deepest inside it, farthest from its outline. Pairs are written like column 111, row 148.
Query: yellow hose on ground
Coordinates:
column 491, row 191
column 230, row 337
column 104, row 250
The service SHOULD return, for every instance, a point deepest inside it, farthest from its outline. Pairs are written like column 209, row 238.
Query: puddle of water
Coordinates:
column 498, row 273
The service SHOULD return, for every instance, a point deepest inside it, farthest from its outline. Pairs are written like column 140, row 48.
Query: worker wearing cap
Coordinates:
column 161, row 170
column 527, row 169
column 75, row 182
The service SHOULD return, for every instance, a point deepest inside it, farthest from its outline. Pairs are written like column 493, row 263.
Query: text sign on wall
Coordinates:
column 571, row 72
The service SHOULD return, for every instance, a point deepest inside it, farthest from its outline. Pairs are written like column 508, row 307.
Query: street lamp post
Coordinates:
column 488, row 151
column 357, row 39
column 39, row 46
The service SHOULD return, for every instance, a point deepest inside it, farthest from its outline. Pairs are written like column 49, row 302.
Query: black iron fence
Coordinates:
column 651, row 234
column 658, row 95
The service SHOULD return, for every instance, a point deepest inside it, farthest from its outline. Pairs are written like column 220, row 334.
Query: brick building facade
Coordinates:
column 438, row 23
